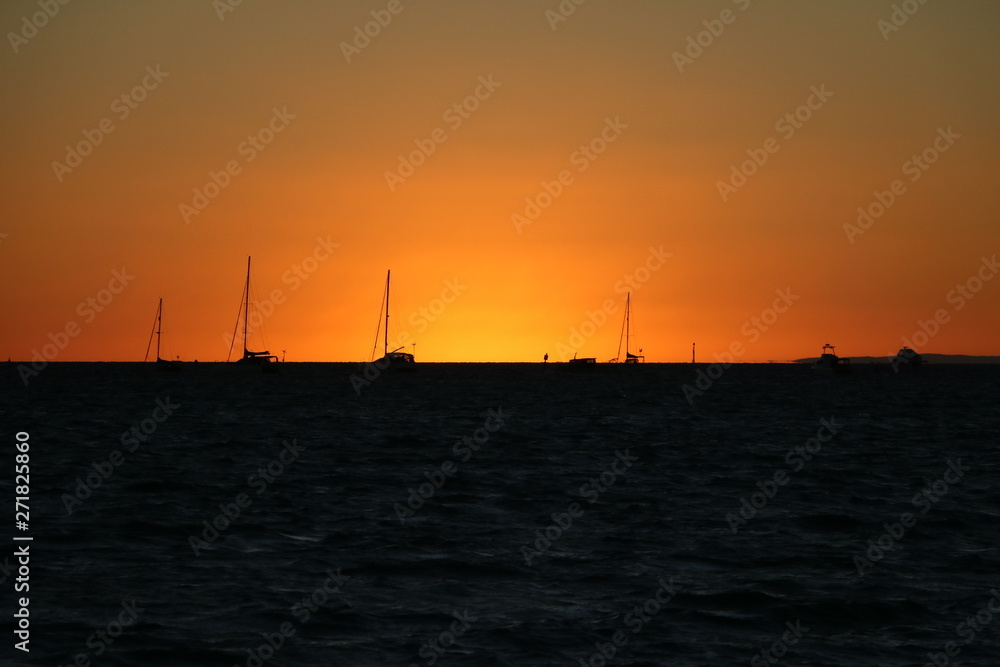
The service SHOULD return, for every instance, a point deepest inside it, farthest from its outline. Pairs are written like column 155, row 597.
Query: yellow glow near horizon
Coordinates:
column 537, row 162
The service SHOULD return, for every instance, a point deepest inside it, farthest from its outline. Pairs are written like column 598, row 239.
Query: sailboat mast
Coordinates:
column 159, row 327
column 246, row 307
column 628, row 305
column 385, row 345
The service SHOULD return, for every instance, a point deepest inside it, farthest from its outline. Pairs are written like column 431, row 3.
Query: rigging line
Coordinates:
column 146, row 356
column 236, row 327
column 259, row 329
column 618, row 355
column 378, row 328
column 397, row 318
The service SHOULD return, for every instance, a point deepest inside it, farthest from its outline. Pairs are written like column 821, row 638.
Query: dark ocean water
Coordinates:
column 598, row 512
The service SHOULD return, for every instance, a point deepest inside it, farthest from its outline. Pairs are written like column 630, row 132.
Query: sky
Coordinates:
column 761, row 177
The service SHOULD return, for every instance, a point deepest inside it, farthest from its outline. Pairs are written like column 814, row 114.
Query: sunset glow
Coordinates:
column 780, row 175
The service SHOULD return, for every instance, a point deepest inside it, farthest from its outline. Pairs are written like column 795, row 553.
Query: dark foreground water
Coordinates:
column 478, row 514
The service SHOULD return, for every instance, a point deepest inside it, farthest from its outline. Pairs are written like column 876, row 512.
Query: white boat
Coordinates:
column 263, row 359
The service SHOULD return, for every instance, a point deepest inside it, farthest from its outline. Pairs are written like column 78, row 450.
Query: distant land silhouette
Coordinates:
column 928, row 359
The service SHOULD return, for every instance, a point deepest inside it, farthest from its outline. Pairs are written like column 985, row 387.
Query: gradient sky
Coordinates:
column 522, row 289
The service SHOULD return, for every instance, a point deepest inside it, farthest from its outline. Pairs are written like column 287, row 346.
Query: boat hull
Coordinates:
column 398, row 361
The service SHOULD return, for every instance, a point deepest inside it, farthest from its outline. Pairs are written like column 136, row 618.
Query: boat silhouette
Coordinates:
column 625, row 335
column 396, row 359
column 582, row 361
column 829, row 361
column 906, row 358
column 162, row 364
column 264, row 359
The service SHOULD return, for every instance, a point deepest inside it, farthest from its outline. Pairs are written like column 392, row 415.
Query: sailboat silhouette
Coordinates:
column 626, row 334
column 264, row 359
column 396, row 359
column 162, row 364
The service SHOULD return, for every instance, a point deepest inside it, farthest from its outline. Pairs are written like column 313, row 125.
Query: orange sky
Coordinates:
column 673, row 125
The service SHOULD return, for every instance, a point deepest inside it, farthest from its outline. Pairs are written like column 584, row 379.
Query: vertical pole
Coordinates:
column 628, row 303
column 159, row 327
column 385, row 345
column 246, row 308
